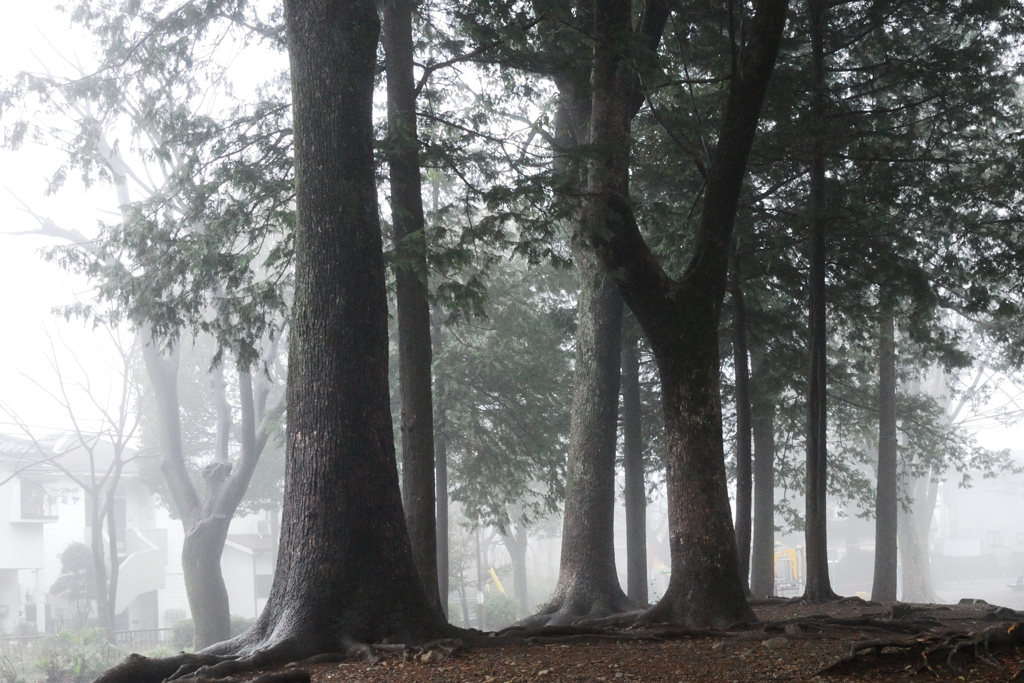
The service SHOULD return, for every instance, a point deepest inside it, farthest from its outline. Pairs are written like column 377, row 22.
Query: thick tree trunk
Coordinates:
column 345, row 571
column 635, row 489
column 913, row 526
column 762, row 559
column 883, row 587
column 743, row 434
column 204, row 582
column 588, row 585
column 680, row 319
column 414, row 352
column 819, row 586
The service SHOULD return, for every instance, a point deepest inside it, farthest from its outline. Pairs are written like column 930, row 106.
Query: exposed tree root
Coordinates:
column 581, row 604
column 865, row 623
column 136, row 668
column 926, row 653
column 203, row 668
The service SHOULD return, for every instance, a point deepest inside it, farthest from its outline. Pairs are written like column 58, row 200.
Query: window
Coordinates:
column 995, row 539
column 35, row 503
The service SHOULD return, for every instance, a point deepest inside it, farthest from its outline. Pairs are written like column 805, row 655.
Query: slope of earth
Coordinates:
column 793, row 642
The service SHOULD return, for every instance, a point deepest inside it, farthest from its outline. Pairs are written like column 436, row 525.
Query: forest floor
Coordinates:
column 973, row 641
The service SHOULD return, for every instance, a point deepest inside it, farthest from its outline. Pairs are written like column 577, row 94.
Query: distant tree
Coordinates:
column 104, row 426
column 76, row 581
column 503, row 388
column 204, row 250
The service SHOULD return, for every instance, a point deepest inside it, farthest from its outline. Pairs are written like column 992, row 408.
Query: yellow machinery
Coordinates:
column 787, row 571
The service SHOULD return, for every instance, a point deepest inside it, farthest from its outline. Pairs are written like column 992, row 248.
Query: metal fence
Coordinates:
column 143, row 636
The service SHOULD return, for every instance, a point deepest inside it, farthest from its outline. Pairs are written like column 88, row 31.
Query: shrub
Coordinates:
column 500, row 610
column 76, row 657
column 183, row 632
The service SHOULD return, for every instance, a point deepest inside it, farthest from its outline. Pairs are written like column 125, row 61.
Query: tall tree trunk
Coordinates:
column 441, row 484
column 204, row 582
column 743, row 434
column 635, row 490
column 115, row 562
column 441, row 472
column 883, row 587
column 762, row 559
column 345, row 570
column 819, row 586
column 414, row 352
column 104, row 608
column 680, row 319
column 913, row 526
column 516, row 542
column 588, row 584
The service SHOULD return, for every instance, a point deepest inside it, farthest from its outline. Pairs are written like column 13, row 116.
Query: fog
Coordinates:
column 78, row 405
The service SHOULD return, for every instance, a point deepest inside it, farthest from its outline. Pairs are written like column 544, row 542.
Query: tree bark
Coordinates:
column 883, row 587
column 104, row 609
column 588, row 584
column 762, row 561
column 635, row 490
column 680, row 319
column 818, row 587
column 441, row 484
column 345, row 571
column 441, row 480
column 206, row 519
column 743, row 429
column 414, row 351
column 913, row 526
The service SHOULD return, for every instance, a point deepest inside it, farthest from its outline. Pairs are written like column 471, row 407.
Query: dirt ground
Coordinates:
column 793, row 642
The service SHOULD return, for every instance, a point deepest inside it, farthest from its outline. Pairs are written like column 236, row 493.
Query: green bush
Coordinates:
column 183, row 632
column 240, row 624
column 500, row 610
column 76, row 657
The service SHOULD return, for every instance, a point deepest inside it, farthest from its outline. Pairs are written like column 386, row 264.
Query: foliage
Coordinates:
column 183, row 632
column 504, row 388
column 76, row 582
column 70, row 657
column 500, row 609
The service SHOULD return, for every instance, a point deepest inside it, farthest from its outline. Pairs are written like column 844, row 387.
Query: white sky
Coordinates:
column 31, row 288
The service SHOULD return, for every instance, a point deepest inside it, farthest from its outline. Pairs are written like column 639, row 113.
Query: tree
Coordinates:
column 202, row 251
column 634, row 488
column 513, row 373
column 104, row 439
column 762, row 422
column 77, row 581
column 680, row 318
column 883, row 585
column 345, row 570
column 413, row 306
column 744, row 475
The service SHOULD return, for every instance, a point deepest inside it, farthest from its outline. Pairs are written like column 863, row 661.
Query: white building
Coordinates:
column 44, row 508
